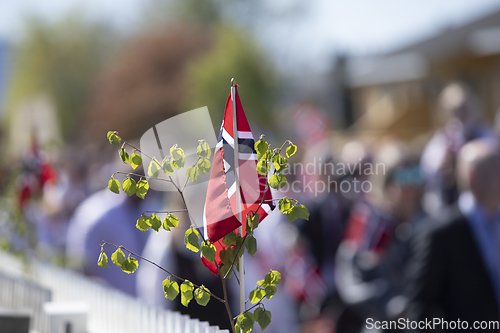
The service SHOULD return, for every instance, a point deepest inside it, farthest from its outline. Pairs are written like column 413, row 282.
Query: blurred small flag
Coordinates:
column 220, row 216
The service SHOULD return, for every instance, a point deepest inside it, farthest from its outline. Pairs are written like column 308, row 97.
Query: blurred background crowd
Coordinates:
column 392, row 115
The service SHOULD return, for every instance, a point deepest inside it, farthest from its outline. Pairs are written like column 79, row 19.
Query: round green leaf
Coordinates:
column 178, row 156
column 251, row 245
column 135, row 160
column 257, row 295
column 204, row 166
column 155, row 222
column 245, row 322
column 192, row 173
column 124, row 155
column 208, row 251
column 130, row 265
column 142, row 189
column 203, row 149
column 191, row 239
column 261, row 148
column 114, row 185
column 142, row 223
column 277, row 181
column 263, row 167
column 129, row 186
column 118, row 257
column 171, row 289
column 103, row 260
column 170, row 221
column 186, row 292
column 201, row 296
column 154, row 169
column 285, row 205
column 113, row 138
column 270, row 291
column 262, row 317
column 302, row 212
column 168, row 167
column 291, row 150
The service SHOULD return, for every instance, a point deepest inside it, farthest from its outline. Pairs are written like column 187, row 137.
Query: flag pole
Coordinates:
column 238, row 194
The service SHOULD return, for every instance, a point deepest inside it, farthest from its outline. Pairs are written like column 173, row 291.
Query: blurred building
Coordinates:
column 395, row 93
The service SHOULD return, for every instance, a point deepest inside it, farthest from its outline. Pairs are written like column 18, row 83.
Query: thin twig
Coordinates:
column 163, row 269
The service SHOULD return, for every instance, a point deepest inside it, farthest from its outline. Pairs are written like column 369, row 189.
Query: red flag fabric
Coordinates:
column 221, row 209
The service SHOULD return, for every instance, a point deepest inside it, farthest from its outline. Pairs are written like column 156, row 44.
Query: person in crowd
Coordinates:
column 461, row 116
column 374, row 252
column 456, row 267
column 110, row 217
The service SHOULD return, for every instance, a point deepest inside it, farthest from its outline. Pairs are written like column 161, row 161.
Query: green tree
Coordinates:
column 233, row 54
column 60, row 60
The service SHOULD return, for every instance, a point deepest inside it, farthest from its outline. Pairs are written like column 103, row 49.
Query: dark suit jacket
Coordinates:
column 450, row 279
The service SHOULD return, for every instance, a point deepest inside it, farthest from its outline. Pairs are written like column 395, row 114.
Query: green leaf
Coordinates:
column 285, row 205
column 277, row 181
column 191, row 239
column 230, row 239
column 292, row 214
column 245, row 322
column 118, row 257
column 168, row 167
column 302, row 212
column 257, row 295
column 186, row 292
column 154, row 169
column 274, row 277
column 208, row 251
column 170, row 221
column 280, row 163
column 142, row 189
column 252, row 222
column 130, row 265
column 142, row 223
column 114, row 139
column 261, row 148
column 178, row 156
column 135, row 160
column 251, row 245
column 262, row 317
column 103, row 260
column 171, row 289
column 124, row 155
column 290, row 151
column 114, row 185
column 192, row 173
column 270, row 291
column 224, row 256
column 203, row 149
column 155, row 222
column 201, row 296
column 263, row 167
column 129, row 186
column 204, row 166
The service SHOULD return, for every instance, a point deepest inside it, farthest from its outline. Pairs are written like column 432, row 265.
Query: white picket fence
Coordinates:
column 110, row 311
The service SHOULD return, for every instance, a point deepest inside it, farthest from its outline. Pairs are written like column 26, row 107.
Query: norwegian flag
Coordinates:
column 220, row 216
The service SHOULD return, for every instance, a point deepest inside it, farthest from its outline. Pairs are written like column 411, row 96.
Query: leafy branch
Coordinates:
column 270, row 164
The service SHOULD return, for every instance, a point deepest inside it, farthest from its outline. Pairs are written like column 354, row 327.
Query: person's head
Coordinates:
column 479, row 172
column 457, row 102
column 402, row 182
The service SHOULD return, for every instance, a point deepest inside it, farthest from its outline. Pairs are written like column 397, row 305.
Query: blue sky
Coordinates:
column 316, row 30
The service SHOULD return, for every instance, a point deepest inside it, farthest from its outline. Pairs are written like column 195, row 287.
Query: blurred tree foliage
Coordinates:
column 233, row 54
column 144, row 83
column 61, row 60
